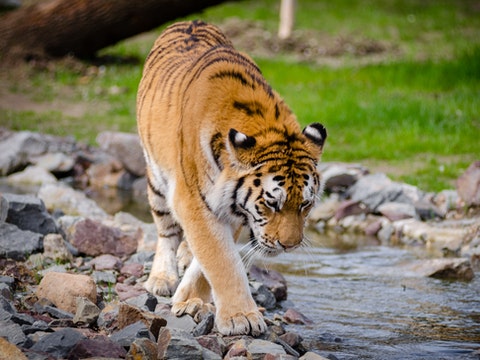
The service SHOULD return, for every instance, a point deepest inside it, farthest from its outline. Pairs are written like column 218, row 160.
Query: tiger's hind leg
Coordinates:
column 163, row 278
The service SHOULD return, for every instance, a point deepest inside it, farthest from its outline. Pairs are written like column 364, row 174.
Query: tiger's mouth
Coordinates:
column 264, row 248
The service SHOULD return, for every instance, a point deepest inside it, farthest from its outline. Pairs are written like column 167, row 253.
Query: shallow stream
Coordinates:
column 365, row 303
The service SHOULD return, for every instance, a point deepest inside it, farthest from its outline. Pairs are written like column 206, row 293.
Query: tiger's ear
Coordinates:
column 316, row 133
column 240, row 146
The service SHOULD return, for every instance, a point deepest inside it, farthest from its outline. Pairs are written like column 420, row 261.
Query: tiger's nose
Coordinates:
column 289, row 245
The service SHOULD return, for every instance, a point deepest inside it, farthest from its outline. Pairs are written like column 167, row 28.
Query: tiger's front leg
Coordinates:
column 163, row 278
column 217, row 259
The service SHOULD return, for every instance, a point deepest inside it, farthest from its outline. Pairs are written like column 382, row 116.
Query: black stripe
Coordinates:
column 232, row 74
column 250, row 108
column 160, row 213
column 154, row 189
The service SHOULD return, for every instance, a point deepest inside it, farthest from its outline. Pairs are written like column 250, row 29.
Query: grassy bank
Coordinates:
column 409, row 105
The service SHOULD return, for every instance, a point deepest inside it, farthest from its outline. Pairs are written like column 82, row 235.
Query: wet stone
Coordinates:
column 129, row 333
column 293, row 316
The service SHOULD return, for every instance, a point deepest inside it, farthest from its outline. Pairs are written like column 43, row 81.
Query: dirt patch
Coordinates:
column 304, row 45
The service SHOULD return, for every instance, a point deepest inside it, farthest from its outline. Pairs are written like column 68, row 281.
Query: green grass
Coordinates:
column 414, row 113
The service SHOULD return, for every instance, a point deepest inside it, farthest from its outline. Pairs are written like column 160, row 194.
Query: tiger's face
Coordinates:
column 279, row 189
column 275, row 206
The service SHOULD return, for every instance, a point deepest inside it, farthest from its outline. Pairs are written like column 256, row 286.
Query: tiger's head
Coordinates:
column 278, row 184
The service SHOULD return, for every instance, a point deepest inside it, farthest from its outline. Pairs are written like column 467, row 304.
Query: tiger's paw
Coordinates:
column 192, row 307
column 161, row 285
column 241, row 324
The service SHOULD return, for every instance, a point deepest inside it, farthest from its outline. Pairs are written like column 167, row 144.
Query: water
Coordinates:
column 366, row 304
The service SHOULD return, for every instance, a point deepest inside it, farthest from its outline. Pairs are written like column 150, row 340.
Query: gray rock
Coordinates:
column 6, row 291
column 129, row 333
column 7, row 311
column 185, row 323
column 293, row 316
column 178, row 344
column 146, row 301
column 126, row 148
column 87, row 312
column 338, row 177
column 18, row 244
column 69, row 201
column 13, row 333
column 98, row 347
column 38, row 325
column 28, row 212
column 272, row 279
column 205, row 326
column 310, row 355
column 259, row 348
column 59, row 343
column 16, row 149
column 468, row 185
column 376, row 189
column 3, row 208
column 263, row 296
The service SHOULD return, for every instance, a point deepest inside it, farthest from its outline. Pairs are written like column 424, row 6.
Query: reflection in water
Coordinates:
column 366, row 305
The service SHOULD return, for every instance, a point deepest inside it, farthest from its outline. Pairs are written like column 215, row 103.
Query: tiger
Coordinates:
column 223, row 153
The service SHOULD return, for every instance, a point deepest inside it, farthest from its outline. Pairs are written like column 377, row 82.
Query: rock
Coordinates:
column 446, row 200
column 108, row 316
column 376, row 189
column 293, row 316
column 28, row 212
column 55, row 248
column 87, row 312
column 106, row 262
column 272, row 279
column 178, row 344
column 262, row 295
column 139, row 188
column 72, row 286
column 59, row 343
column 18, row 244
column 397, row 211
column 93, row 238
column 129, row 333
column 3, row 208
column 310, row 355
column 126, row 291
column 132, row 269
column 145, row 301
column 184, row 323
column 280, row 357
column 449, row 269
column 98, row 347
column 148, row 239
column 105, row 278
column 291, row 338
column 143, row 349
column 10, row 351
column 338, row 177
column 69, row 201
column 238, row 350
column 126, row 147
column 16, row 149
column 259, row 348
column 53, row 311
column 468, row 185
column 105, row 174
column 32, row 175
column 38, row 325
column 13, row 333
column 56, row 162
column 349, row 208
column 128, row 315
column 213, row 342
column 205, row 326
column 324, row 211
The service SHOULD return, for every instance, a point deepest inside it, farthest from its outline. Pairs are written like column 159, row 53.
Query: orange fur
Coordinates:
column 223, row 150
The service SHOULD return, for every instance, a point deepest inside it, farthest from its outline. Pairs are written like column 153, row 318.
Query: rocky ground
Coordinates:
column 71, row 274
